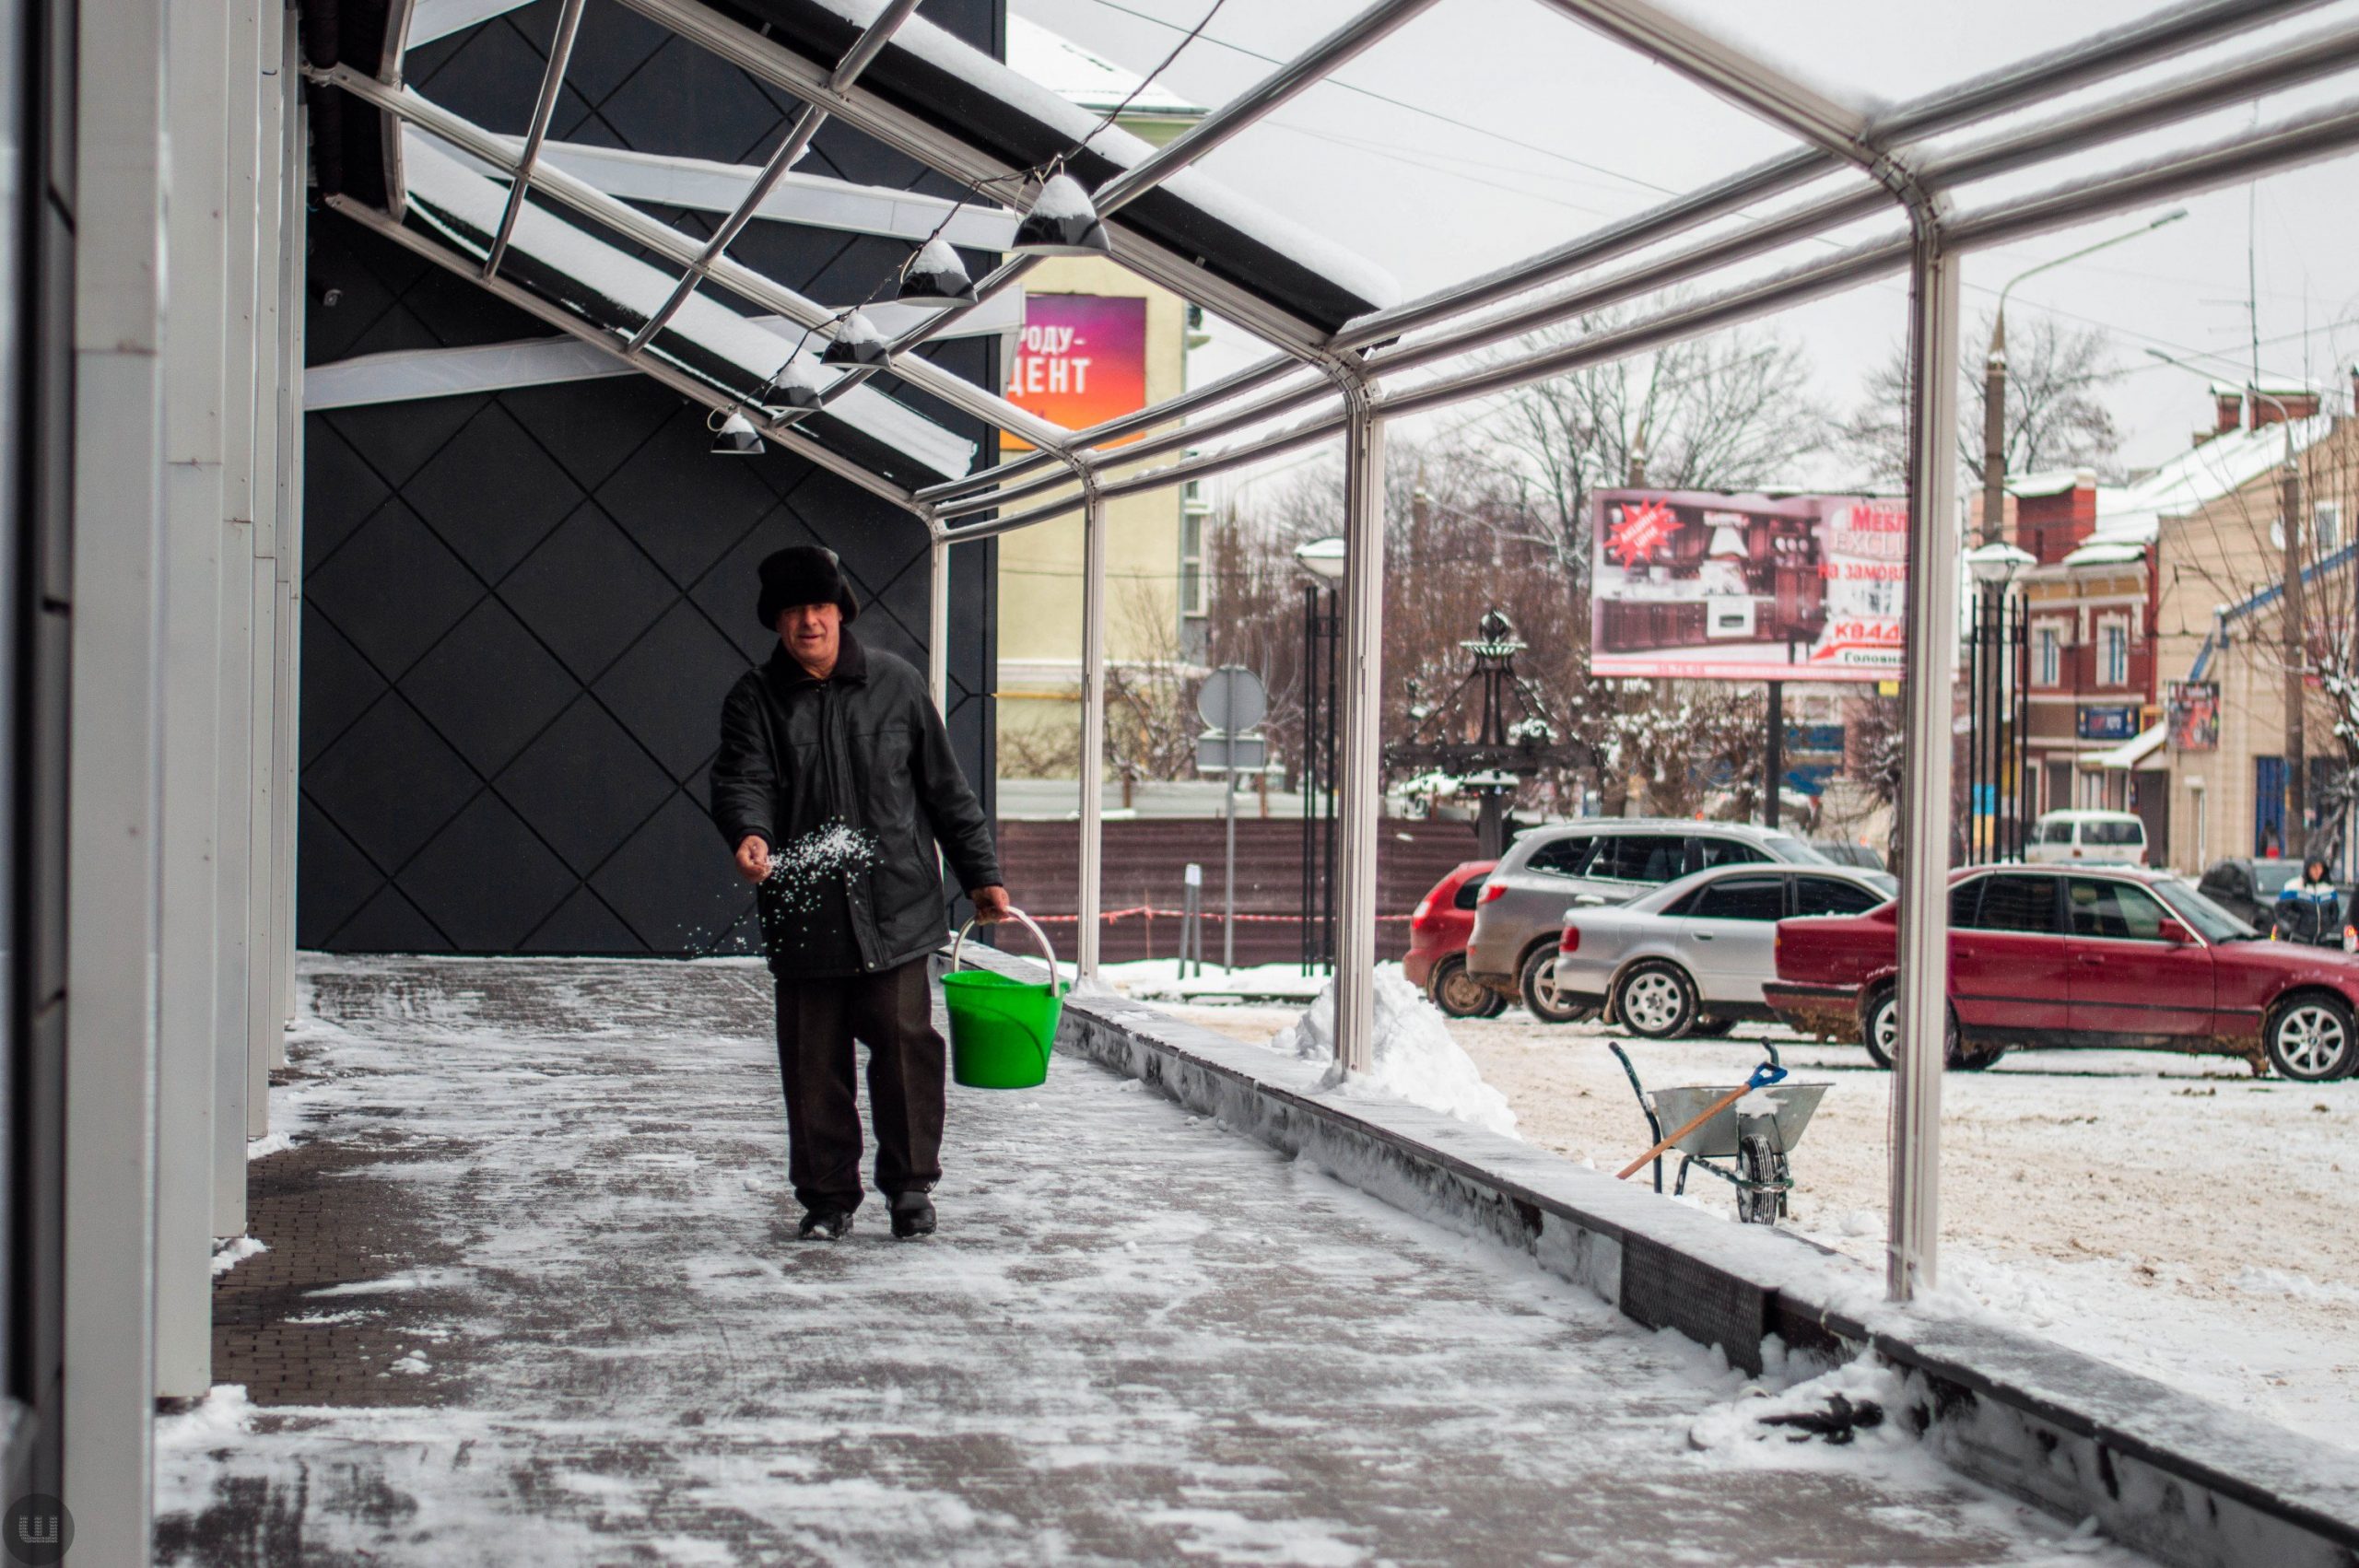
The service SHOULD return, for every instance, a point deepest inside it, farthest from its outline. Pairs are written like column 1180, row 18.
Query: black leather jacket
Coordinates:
column 864, row 749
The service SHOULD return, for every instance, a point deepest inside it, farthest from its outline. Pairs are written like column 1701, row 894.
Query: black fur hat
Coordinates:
column 803, row 574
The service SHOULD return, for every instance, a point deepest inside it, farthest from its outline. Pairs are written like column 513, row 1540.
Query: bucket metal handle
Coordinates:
column 1056, row 983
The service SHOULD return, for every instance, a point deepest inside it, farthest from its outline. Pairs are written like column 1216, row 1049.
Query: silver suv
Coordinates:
column 1550, row 872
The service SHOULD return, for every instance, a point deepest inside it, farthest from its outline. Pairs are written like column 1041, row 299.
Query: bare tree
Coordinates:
column 1727, row 412
column 1685, row 740
column 2056, row 417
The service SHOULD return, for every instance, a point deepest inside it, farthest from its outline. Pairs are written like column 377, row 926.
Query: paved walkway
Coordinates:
column 531, row 1297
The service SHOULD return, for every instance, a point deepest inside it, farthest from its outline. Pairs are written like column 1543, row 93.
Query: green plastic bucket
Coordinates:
column 1002, row 1030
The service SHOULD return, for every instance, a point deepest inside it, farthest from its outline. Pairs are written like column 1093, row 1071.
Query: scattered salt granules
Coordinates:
column 801, row 870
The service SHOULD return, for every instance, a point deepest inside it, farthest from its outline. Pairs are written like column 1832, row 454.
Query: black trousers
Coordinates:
column 891, row 1012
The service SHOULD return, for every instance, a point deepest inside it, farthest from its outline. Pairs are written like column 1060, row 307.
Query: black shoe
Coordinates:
column 824, row 1225
column 912, row 1216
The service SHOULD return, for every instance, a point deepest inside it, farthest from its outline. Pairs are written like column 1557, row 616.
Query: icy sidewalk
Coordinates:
column 530, row 1299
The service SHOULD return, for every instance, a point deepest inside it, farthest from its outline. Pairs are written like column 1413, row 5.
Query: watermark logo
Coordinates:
column 37, row 1530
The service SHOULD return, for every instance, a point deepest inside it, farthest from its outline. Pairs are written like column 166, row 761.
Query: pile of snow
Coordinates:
column 227, row 1255
column 224, row 1411
column 1164, row 979
column 1416, row 1059
column 1860, row 1404
column 2254, row 1281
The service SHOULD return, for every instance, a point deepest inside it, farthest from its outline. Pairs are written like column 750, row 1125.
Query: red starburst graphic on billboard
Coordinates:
column 1641, row 531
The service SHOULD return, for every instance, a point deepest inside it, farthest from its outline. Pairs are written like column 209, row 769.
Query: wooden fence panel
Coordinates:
column 1145, row 874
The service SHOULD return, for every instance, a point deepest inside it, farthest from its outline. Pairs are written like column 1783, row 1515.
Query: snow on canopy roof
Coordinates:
column 1094, row 82
column 711, row 341
column 926, row 73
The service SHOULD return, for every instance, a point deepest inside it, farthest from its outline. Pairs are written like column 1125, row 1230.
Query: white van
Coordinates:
column 2088, row 839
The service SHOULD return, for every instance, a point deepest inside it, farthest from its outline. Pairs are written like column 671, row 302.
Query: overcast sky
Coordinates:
column 1511, row 128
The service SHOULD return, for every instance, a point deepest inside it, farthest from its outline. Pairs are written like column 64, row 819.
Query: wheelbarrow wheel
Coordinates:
column 1762, row 1170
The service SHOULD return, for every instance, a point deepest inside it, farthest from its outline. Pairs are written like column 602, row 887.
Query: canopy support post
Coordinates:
column 1362, row 696
column 937, row 624
column 1920, row 1052
column 1092, row 724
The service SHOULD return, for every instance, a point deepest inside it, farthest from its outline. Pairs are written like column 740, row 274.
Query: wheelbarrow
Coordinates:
column 1744, row 1143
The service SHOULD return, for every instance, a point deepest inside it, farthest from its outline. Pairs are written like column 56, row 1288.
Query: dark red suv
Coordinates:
column 1435, row 961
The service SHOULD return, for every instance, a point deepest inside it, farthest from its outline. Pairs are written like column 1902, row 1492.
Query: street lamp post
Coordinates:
column 1989, row 610
column 1994, row 379
column 1323, row 559
column 2294, row 655
column 1996, row 698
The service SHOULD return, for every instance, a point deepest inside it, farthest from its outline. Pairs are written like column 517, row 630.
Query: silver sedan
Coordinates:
column 1690, row 958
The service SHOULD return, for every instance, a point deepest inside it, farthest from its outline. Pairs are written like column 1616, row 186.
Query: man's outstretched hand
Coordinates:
column 754, row 857
column 991, row 904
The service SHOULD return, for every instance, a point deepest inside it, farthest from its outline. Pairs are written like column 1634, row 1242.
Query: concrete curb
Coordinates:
column 2175, row 1476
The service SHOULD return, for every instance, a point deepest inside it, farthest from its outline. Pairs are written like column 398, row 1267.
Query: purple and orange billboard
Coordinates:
column 1081, row 360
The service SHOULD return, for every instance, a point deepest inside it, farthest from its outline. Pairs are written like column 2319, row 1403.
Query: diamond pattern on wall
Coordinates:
column 485, row 881
column 489, row 687
column 585, row 784
column 588, row 591
column 522, row 609
column 390, row 783
column 394, row 589
column 644, row 496
column 491, row 494
column 664, row 688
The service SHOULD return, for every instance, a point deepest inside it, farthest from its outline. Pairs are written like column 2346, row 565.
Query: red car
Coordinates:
column 2101, row 956
column 1436, row 962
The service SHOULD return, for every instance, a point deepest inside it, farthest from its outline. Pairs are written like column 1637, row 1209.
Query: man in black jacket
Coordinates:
column 834, row 783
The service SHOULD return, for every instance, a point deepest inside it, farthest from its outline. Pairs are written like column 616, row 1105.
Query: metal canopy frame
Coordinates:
column 1353, row 379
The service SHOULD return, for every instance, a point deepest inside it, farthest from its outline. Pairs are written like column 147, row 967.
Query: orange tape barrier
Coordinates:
column 1152, row 913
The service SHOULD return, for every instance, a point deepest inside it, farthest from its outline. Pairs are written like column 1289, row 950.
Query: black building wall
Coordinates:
column 521, row 609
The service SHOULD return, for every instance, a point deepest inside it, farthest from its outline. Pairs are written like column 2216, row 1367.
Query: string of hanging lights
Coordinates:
column 1059, row 220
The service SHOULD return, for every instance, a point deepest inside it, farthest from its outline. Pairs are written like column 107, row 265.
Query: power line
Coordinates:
column 1403, row 103
column 1360, row 144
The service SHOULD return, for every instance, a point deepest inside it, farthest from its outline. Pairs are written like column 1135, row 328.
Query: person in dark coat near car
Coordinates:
column 834, row 783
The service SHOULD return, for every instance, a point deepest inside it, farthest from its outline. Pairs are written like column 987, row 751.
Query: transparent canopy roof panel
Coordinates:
column 1481, row 132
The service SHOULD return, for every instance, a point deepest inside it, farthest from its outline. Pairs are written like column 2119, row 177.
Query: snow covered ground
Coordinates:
column 1140, row 1338
column 2171, row 1214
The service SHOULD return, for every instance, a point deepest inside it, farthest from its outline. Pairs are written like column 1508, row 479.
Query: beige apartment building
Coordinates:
column 1099, row 341
column 2156, row 676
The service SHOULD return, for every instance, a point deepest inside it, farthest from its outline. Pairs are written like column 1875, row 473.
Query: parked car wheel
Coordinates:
column 1539, row 988
column 1656, row 1000
column 2311, row 1038
column 1459, row 994
column 1711, row 1028
column 1883, row 1029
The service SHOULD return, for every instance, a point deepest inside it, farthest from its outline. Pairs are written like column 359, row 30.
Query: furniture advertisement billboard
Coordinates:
column 1691, row 584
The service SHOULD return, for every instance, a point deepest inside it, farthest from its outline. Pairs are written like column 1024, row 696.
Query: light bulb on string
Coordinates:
column 797, row 385
column 936, row 276
column 857, row 342
column 1061, row 221
column 734, row 436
